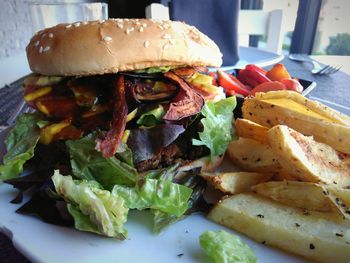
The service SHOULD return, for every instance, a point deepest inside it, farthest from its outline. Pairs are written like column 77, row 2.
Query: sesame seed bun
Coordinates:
column 99, row 47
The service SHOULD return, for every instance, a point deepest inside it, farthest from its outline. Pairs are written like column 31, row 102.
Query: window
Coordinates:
column 333, row 30
column 289, row 8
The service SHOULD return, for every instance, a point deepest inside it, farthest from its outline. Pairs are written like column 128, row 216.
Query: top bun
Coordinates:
column 109, row 46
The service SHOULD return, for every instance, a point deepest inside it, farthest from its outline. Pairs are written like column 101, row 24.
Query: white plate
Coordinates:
column 41, row 242
column 251, row 55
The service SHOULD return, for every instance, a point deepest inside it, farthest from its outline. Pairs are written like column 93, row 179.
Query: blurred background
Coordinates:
column 317, row 27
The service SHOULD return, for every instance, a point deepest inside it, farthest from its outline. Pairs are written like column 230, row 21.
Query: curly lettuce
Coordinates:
column 217, row 126
column 20, row 144
column 162, row 195
column 88, row 164
column 93, row 209
column 223, row 247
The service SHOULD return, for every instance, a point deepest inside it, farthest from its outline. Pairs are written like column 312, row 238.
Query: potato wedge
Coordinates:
column 303, row 115
column 282, row 176
column 318, row 236
column 204, row 163
column 235, row 182
column 308, row 160
column 253, row 156
column 340, row 197
column 251, row 130
column 304, row 195
column 343, row 194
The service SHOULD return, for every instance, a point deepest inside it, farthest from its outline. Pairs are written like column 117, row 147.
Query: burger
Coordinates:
column 120, row 102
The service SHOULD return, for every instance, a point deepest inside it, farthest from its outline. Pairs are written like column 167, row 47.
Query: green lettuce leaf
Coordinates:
column 93, row 209
column 162, row 220
column 223, row 247
column 155, row 69
column 217, row 122
column 88, row 164
column 20, row 144
column 163, row 195
column 152, row 117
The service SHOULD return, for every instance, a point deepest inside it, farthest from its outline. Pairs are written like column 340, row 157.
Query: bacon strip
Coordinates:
column 109, row 145
column 186, row 103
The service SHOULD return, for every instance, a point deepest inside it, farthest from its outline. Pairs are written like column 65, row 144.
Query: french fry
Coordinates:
column 251, row 130
column 253, row 156
column 235, row 182
column 308, row 160
column 301, row 114
column 304, row 195
column 340, row 197
column 283, row 175
column 318, row 236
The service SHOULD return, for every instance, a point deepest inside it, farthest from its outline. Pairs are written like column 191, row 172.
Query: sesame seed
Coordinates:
column 129, row 30
column 137, row 23
column 141, row 29
column 195, row 36
column 144, row 25
column 166, row 36
column 85, row 22
column 147, row 43
column 50, row 35
column 120, row 25
column 166, row 46
column 107, row 38
column 172, row 41
column 76, row 24
column 160, row 27
column 41, row 49
column 36, row 43
column 68, row 26
column 46, row 49
column 102, row 21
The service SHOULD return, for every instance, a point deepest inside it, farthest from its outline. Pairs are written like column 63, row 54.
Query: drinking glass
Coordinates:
column 48, row 15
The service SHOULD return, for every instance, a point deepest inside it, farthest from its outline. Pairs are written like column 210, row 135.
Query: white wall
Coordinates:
column 15, row 28
column 15, row 24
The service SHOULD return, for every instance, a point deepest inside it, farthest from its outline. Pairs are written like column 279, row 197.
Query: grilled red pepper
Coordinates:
column 231, row 84
column 251, row 77
column 268, row 86
column 292, row 84
column 255, row 68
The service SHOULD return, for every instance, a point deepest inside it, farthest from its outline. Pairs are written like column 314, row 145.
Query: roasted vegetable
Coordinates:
column 278, row 73
column 186, row 103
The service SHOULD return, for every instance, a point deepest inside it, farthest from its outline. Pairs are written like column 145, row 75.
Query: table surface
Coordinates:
column 332, row 90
